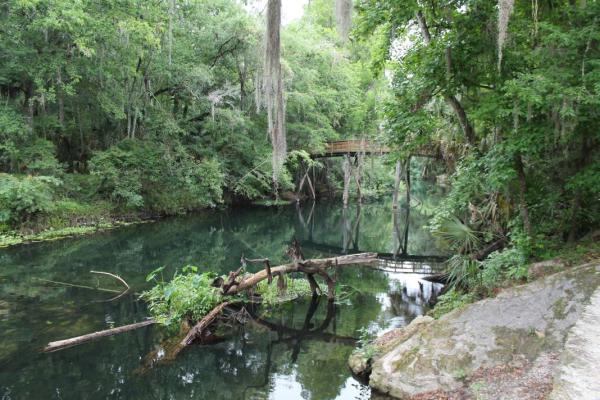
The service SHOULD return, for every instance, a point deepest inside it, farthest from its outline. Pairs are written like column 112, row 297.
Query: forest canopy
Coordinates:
column 157, row 107
column 509, row 94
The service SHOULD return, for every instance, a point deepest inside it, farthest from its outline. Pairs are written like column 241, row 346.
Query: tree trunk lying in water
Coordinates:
column 247, row 283
column 63, row 344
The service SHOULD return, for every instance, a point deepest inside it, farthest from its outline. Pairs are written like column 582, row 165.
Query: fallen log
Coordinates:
column 62, row 344
column 309, row 267
column 315, row 266
column 197, row 330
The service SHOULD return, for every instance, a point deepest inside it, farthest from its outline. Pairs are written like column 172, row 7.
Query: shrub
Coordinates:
column 187, row 295
column 450, row 301
column 157, row 177
column 13, row 131
column 20, row 150
column 38, row 158
column 509, row 264
column 21, row 198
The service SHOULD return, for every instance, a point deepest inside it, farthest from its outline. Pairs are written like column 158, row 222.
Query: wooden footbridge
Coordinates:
column 354, row 151
column 352, row 147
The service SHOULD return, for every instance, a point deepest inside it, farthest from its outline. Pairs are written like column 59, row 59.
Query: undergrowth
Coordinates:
column 450, row 301
column 190, row 295
column 271, row 295
column 187, row 295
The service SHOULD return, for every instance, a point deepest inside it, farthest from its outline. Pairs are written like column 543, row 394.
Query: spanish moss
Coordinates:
column 505, row 9
column 343, row 17
column 273, row 88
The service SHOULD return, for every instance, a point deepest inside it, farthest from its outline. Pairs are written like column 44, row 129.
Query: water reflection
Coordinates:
column 299, row 351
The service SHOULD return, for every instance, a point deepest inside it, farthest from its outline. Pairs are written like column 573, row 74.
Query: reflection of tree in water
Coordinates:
column 368, row 227
column 311, row 336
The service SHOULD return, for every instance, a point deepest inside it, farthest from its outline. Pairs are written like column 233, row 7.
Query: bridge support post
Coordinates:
column 306, row 178
column 347, row 167
column 357, row 175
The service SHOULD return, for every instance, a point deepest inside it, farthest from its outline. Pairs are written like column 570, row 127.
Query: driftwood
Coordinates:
column 308, row 266
column 79, row 286
column 117, row 277
column 62, row 344
column 197, row 330
column 232, row 287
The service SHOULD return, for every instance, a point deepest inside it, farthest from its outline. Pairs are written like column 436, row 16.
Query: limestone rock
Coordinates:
column 578, row 376
column 543, row 268
column 503, row 348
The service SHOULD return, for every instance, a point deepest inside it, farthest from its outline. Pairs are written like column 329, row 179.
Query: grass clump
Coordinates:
column 271, row 295
column 450, row 301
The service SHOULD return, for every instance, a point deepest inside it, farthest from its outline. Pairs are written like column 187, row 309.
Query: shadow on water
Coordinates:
column 297, row 351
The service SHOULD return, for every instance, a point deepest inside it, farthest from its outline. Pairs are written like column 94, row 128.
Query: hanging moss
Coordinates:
column 273, row 88
column 343, row 17
column 505, row 9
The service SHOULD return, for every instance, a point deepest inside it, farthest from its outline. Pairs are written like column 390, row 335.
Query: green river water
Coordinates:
column 299, row 352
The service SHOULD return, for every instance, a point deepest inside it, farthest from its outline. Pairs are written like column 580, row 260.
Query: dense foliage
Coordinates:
column 188, row 295
column 153, row 106
column 510, row 102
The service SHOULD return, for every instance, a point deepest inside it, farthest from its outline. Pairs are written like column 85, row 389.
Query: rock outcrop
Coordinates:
column 507, row 347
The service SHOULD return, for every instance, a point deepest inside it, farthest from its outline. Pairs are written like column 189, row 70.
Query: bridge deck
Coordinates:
column 352, row 146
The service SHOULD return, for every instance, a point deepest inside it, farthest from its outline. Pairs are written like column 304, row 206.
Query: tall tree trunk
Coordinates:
column 522, row 192
column 60, row 98
column 397, row 178
column 582, row 160
column 358, row 176
column 405, row 246
column 171, row 15
column 273, row 84
column 343, row 17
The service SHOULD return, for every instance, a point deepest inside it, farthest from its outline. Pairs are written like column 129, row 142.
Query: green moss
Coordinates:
column 271, row 295
column 14, row 238
column 510, row 342
column 407, row 358
column 559, row 308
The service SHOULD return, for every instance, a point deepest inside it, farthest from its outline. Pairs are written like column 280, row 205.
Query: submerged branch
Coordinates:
column 63, row 344
column 199, row 328
column 117, row 277
column 79, row 286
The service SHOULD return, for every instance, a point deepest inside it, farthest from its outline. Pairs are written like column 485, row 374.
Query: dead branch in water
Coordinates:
column 79, row 286
column 117, row 277
column 233, row 287
column 62, row 344
column 197, row 330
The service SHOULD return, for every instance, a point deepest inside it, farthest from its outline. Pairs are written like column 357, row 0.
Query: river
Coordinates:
column 300, row 351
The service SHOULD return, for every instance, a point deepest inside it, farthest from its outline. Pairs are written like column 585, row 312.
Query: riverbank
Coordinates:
column 63, row 225
column 507, row 347
column 14, row 238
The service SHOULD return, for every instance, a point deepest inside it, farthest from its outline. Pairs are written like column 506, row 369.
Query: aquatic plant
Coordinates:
column 188, row 295
column 271, row 294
